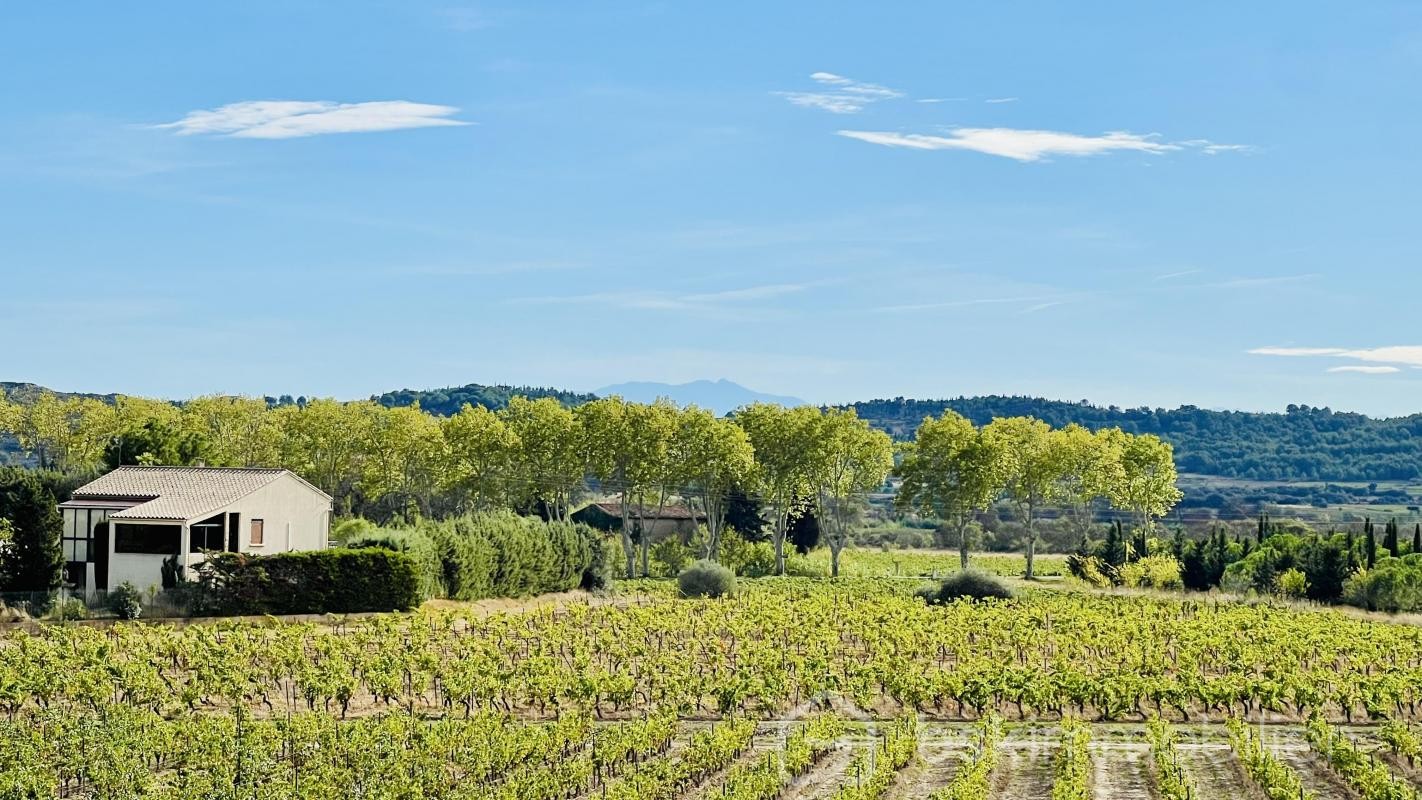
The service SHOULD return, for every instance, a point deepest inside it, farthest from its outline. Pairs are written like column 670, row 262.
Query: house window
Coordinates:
column 206, row 537
column 257, row 532
column 158, row 540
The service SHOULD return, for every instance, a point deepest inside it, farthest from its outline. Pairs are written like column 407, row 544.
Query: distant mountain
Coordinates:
column 718, row 396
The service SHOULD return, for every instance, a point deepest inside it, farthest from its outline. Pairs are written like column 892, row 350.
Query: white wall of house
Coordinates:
column 143, row 570
column 294, row 517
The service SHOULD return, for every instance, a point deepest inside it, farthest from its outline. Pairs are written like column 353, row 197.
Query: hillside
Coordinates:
column 449, row 400
column 1301, row 444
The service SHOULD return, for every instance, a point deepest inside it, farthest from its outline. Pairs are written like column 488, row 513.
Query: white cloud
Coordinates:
column 289, row 119
column 1376, row 360
column 1366, row 370
column 1021, row 145
column 841, row 95
column 1000, row 100
column 1030, row 145
column 1297, row 352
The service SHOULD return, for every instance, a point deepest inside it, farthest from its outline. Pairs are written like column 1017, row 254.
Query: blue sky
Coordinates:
column 1131, row 203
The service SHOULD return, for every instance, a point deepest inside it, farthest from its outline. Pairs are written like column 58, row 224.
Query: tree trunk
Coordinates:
column 963, row 542
column 1031, row 543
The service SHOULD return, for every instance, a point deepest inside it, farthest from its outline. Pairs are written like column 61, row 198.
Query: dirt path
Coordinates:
column 821, row 781
column 1290, row 747
column 937, row 763
column 1216, row 772
column 1122, row 772
column 1024, row 772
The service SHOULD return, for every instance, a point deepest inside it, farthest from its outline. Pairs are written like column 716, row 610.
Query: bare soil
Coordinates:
column 1024, row 772
column 1123, row 772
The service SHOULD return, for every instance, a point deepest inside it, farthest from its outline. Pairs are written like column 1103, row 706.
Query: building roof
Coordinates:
column 177, row 493
column 649, row 512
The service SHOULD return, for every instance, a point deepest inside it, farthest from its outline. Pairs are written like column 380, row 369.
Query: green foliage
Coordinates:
column 706, row 579
column 1393, row 585
column 32, row 561
column 1151, row 572
column 670, row 556
column 499, row 554
column 126, row 601
column 745, row 558
column 314, row 582
column 1303, row 444
column 970, row 584
column 448, row 401
column 1292, row 583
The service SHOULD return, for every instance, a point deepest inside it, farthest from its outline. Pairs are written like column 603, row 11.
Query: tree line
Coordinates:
column 540, row 456
column 954, row 470
column 1302, row 443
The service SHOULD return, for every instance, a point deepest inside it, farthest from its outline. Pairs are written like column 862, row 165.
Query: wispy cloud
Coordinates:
column 1000, row 100
column 1273, row 280
column 840, row 95
column 1376, row 360
column 1043, row 306
column 662, row 300
column 1022, row 144
column 1039, row 303
column 1366, row 370
column 1170, row 276
column 290, row 119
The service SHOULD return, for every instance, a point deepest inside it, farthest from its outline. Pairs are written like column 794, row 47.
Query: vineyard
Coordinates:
column 795, row 688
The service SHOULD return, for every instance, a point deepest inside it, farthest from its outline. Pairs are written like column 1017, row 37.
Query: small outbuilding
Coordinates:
column 672, row 519
column 124, row 525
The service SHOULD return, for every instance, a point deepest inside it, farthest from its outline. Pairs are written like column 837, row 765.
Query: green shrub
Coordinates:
column 500, row 554
column 748, row 559
column 1291, row 583
column 706, row 579
column 971, row 584
column 315, row 582
column 417, row 544
column 73, row 608
column 126, row 601
column 670, row 556
column 1152, row 572
column 349, row 530
column 798, row 566
column 1393, row 585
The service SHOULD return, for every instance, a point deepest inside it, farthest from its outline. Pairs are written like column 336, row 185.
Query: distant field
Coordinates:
column 932, row 563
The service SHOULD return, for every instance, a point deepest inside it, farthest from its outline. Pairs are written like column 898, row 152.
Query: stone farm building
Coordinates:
column 673, row 519
column 122, row 526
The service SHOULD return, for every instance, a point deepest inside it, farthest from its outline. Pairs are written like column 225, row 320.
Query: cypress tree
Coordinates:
column 1390, row 538
column 1370, row 545
column 33, row 561
column 1417, row 538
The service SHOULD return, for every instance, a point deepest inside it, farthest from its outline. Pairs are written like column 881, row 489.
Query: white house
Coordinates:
column 123, row 525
